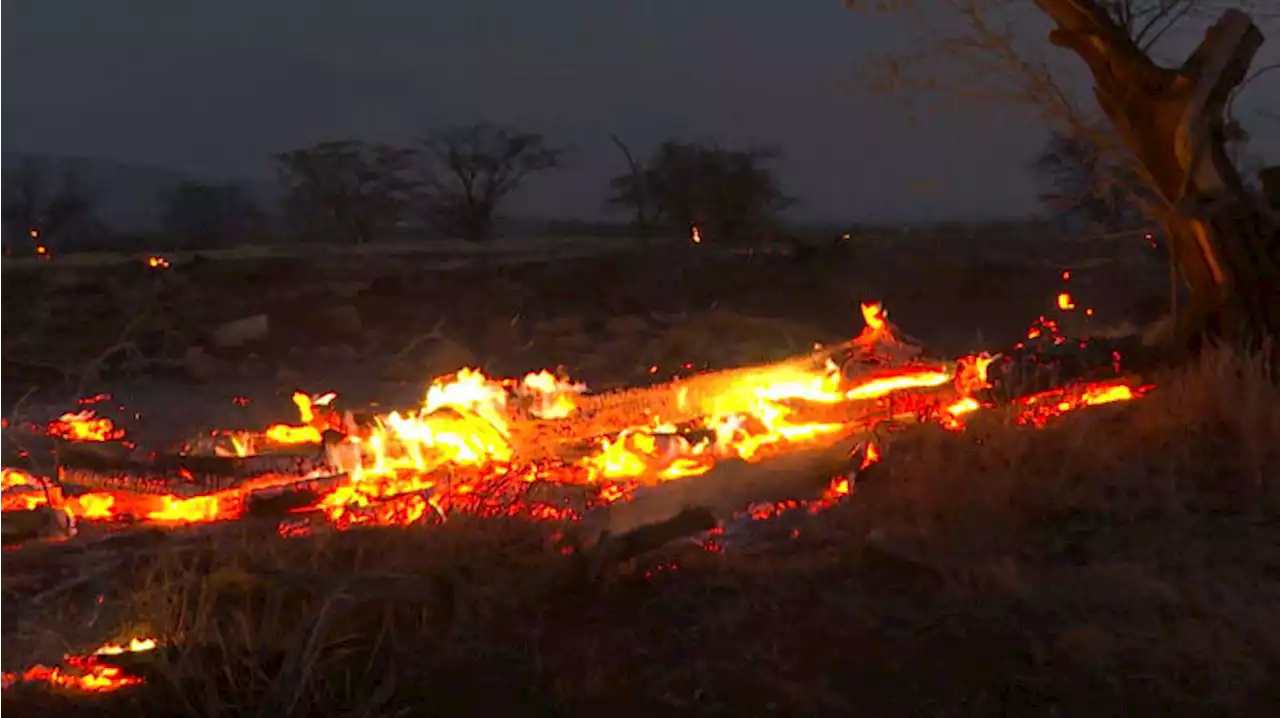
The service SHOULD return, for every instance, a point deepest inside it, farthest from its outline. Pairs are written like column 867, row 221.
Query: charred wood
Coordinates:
column 179, row 474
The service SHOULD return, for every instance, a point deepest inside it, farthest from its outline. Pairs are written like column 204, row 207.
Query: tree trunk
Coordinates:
column 1223, row 237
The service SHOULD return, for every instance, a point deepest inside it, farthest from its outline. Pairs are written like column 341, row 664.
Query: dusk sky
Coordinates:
column 215, row 88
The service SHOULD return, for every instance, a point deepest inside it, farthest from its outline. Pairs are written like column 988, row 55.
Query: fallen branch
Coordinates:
column 729, row 487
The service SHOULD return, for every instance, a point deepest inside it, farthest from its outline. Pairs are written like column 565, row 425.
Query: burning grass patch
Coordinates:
column 1124, row 559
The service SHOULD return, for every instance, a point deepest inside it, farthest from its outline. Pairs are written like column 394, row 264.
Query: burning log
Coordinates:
column 287, row 497
column 674, row 402
column 698, row 397
column 182, row 475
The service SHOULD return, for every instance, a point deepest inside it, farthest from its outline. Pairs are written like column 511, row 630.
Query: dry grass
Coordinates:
column 1126, row 561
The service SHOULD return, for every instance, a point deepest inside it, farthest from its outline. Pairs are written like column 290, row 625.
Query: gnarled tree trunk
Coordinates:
column 1223, row 237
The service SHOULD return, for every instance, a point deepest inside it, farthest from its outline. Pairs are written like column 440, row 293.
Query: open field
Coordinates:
column 1123, row 561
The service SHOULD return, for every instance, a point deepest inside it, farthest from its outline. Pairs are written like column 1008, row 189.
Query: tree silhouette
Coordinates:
column 726, row 194
column 348, row 190
column 471, row 170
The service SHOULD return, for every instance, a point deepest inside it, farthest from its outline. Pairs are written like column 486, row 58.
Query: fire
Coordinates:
column 155, row 261
column 20, row 491
column 455, row 451
column 86, row 673
column 877, row 329
column 659, row 456
column 84, row 426
column 695, row 235
column 897, row 382
column 97, row 506
column 135, row 645
column 552, row 398
column 10, row 478
column 1040, row 408
column 307, row 432
column 196, row 509
column 471, row 391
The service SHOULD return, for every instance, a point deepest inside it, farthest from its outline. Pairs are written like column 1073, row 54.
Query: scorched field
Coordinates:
column 873, row 479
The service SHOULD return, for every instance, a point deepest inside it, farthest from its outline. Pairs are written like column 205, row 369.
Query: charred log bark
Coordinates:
column 1224, row 241
column 181, row 475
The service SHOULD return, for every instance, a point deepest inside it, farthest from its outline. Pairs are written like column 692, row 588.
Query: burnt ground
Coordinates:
column 376, row 328
column 1117, row 563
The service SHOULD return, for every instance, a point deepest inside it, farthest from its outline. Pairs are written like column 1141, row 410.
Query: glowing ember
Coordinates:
column 695, row 235
column 1065, row 302
column 1039, row 409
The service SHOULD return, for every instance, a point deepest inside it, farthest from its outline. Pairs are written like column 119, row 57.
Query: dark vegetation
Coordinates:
column 452, row 184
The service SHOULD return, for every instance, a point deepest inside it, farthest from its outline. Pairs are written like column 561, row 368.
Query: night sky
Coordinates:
column 214, row 88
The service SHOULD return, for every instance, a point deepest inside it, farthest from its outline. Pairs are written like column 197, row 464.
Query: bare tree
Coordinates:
column 992, row 51
column 472, row 169
column 1169, row 124
column 348, row 190
column 1225, row 241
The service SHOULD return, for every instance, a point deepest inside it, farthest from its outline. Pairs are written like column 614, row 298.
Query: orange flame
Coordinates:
column 84, row 426
column 86, row 673
column 453, row 451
